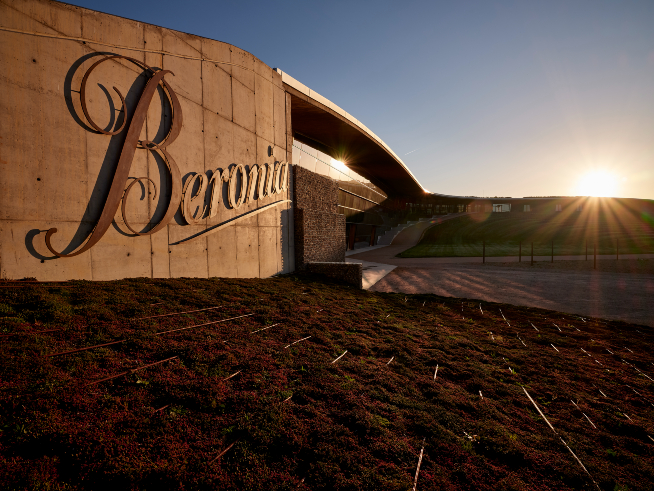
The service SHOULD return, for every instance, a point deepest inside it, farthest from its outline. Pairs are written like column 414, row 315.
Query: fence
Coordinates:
column 617, row 252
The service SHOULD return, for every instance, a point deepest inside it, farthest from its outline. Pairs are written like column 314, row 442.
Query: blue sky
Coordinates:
column 478, row 98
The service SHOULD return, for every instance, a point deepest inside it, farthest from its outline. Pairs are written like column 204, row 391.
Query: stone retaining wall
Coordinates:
column 319, row 229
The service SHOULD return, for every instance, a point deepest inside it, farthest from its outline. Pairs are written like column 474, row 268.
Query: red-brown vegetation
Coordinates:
column 232, row 408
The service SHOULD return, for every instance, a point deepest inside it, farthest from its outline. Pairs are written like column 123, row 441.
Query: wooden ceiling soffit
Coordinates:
column 324, row 129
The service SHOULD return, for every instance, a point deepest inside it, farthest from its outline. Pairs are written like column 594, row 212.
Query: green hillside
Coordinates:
column 503, row 232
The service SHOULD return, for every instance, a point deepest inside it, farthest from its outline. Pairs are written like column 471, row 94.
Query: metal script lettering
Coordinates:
column 265, row 180
column 117, row 192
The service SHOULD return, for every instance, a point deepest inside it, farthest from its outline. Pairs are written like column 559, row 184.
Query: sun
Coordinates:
column 339, row 165
column 598, row 183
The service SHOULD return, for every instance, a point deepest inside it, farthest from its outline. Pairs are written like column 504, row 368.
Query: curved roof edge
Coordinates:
column 312, row 94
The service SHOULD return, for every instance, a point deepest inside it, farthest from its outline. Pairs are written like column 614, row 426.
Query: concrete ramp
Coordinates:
column 399, row 239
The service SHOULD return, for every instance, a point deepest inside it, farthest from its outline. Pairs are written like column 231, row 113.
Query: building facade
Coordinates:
column 131, row 150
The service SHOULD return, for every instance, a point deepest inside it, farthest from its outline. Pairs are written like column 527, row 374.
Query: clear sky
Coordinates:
column 490, row 98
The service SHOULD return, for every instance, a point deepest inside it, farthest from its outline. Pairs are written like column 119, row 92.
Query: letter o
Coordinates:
column 233, row 202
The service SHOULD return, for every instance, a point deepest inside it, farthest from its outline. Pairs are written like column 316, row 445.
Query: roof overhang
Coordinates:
column 323, row 125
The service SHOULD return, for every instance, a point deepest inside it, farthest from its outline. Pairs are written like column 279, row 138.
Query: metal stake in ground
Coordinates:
column 532, row 253
column 575, row 405
column 339, row 357
column 415, row 480
column 128, row 372
column 552, row 251
column 562, row 441
column 223, row 452
column 520, row 252
column 483, row 251
column 294, row 342
column 595, row 255
column 264, row 328
column 200, row 325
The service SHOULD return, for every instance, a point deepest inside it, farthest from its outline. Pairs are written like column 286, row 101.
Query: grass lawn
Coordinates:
column 260, row 402
column 503, row 232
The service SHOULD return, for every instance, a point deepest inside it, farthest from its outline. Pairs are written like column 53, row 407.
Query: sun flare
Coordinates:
column 339, row 165
column 598, row 183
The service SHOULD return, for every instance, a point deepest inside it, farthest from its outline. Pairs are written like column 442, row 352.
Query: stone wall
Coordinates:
column 319, row 229
column 57, row 169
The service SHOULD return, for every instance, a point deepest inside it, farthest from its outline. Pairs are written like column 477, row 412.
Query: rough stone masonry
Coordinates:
column 319, row 228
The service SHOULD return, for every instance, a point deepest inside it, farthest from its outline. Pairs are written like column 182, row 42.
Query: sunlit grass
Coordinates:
column 572, row 233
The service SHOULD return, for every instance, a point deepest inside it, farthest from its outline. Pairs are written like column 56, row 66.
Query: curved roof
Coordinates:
column 322, row 124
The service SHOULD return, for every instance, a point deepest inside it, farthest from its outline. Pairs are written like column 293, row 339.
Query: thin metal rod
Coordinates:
column 415, row 480
column 201, row 325
column 562, row 441
column 177, row 313
column 232, row 375
column 223, row 452
column 85, row 349
column 339, row 357
column 539, row 411
column 121, row 374
column 264, row 328
column 295, row 342
column 28, row 333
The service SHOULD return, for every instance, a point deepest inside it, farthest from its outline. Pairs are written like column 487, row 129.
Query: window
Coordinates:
column 526, row 208
column 559, row 208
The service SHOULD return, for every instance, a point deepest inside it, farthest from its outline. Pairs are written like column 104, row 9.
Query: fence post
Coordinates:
column 532, row 253
column 520, row 252
column 552, row 251
column 483, row 252
column 595, row 255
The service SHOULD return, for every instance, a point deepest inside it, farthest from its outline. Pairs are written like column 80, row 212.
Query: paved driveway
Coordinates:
column 619, row 296
column 616, row 295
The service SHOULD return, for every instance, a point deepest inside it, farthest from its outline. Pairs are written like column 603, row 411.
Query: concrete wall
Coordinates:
column 55, row 171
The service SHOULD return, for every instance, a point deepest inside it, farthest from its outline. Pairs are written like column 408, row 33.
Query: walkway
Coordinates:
column 614, row 294
column 374, row 271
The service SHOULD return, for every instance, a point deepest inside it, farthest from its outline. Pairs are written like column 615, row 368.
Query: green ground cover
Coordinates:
column 259, row 401
column 503, row 233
